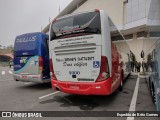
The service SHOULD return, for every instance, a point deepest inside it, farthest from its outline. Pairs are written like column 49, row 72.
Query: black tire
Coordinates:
column 153, row 95
column 150, row 88
column 120, row 88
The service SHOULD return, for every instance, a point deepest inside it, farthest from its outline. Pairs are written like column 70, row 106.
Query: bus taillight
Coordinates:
column 104, row 69
column 52, row 70
column 40, row 65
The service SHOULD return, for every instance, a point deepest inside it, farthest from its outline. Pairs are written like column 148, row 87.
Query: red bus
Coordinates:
column 88, row 55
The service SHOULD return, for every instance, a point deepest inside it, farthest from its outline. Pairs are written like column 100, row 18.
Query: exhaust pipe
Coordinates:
column 57, row 88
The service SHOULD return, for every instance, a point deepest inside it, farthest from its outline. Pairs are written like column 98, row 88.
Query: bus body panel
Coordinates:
column 31, row 60
column 26, row 65
column 124, row 58
column 106, row 39
column 29, row 78
column 83, row 88
column 116, row 68
column 157, row 76
column 30, row 70
column 72, row 61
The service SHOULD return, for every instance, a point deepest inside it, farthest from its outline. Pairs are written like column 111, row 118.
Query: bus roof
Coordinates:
column 31, row 34
column 76, row 13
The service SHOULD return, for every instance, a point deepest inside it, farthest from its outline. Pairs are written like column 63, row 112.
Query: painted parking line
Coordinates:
column 27, row 83
column 48, row 95
column 134, row 99
column 3, row 72
column 10, row 72
column 5, row 80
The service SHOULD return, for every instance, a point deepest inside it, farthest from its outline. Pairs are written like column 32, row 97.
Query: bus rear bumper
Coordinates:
column 96, row 88
column 29, row 78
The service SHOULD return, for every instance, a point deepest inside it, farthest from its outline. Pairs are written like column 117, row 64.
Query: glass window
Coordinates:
column 25, row 43
column 87, row 23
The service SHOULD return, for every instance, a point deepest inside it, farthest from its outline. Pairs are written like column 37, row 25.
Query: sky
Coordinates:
column 25, row 16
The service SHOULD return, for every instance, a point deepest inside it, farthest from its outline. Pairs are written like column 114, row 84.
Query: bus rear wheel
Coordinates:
column 153, row 95
column 120, row 88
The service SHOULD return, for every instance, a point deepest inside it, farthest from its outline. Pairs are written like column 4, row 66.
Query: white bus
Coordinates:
column 88, row 55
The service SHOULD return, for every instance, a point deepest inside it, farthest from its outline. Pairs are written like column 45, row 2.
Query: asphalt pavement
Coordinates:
column 27, row 96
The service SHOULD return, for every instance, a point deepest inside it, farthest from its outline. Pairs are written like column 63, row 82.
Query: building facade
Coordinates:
column 138, row 20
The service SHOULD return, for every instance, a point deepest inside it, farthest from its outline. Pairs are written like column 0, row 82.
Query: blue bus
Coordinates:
column 31, row 58
column 155, row 81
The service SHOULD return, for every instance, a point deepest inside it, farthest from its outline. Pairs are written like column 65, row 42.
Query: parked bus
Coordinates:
column 88, row 55
column 31, row 58
column 153, row 61
column 157, row 76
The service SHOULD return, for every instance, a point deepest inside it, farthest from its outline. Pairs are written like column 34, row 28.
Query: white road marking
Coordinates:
column 27, row 83
column 10, row 72
column 49, row 95
column 134, row 99
column 3, row 72
column 5, row 80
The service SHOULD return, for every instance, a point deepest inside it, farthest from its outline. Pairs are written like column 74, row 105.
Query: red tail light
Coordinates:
column 40, row 65
column 40, row 61
column 104, row 69
column 52, row 70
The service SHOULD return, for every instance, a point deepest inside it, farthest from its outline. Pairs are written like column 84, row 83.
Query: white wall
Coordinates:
column 114, row 8
column 154, row 13
column 136, row 9
column 136, row 13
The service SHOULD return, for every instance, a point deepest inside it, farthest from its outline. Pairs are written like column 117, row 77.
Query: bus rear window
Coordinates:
column 25, row 44
column 76, row 24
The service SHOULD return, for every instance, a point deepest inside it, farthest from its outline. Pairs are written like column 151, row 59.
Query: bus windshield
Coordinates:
column 87, row 23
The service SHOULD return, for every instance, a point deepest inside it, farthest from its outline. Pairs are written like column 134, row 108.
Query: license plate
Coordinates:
column 74, row 87
column 24, row 76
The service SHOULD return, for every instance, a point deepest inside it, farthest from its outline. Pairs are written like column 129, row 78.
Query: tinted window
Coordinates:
column 25, row 43
column 81, row 23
